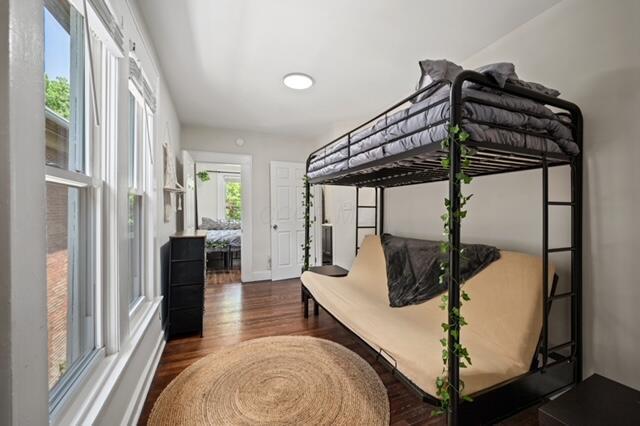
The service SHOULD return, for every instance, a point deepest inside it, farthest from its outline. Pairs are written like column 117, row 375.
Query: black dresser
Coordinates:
column 187, row 278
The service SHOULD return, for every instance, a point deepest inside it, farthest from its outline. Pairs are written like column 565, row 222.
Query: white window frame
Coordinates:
column 100, row 183
column 89, row 185
column 142, row 185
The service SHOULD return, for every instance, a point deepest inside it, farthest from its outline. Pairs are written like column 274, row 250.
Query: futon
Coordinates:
column 504, row 316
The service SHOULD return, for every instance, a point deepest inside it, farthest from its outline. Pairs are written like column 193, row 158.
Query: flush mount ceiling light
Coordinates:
column 297, row 81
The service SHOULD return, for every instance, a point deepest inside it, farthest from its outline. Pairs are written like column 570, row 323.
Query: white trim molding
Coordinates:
column 132, row 415
column 106, row 381
column 245, row 161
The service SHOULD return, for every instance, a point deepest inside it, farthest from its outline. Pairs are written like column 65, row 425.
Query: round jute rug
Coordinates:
column 276, row 380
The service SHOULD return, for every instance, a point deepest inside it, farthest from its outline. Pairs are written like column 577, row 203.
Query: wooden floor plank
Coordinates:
column 237, row 312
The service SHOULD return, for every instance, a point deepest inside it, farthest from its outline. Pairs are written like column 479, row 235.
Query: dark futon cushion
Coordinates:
column 413, row 267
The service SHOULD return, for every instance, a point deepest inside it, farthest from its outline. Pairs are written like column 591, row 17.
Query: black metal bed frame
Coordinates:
column 557, row 370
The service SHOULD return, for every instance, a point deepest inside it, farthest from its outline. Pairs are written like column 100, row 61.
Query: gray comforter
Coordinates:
column 413, row 267
column 482, row 112
column 221, row 238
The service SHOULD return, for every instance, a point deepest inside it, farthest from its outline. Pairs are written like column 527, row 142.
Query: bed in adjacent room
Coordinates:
column 224, row 237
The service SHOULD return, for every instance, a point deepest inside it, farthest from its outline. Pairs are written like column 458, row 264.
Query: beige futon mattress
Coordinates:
column 504, row 316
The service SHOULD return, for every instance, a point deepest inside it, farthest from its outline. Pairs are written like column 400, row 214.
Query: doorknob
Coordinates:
column 275, row 227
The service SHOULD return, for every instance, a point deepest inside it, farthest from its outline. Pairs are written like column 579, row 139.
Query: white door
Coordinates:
column 188, row 175
column 287, row 219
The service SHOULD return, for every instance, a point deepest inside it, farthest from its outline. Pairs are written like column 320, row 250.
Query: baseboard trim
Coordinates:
column 134, row 410
column 259, row 276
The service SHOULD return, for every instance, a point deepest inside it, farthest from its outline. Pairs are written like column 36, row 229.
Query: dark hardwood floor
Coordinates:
column 223, row 277
column 238, row 312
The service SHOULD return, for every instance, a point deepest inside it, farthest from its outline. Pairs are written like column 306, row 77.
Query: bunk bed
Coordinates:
column 512, row 128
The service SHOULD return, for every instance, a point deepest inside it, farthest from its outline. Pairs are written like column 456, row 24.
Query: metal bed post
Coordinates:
column 375, row 211
column 381, row 210
column 576, row 242
column 307, row 221
column 357, row 216
column 545, row 261
column 453, row 369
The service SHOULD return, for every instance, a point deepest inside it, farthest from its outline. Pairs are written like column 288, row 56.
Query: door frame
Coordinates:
column 246, row 165
column 189, row 179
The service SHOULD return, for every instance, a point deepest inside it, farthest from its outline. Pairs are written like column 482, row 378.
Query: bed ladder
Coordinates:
column 571, row 295
column 366, row 207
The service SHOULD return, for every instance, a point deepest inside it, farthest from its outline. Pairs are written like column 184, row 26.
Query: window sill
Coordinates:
column 85, row 402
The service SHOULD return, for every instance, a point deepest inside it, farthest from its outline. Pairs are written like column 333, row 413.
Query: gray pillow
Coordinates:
column 233, row 224
column 219, row 224
column 432, row 70
column 501, row 72
column 207, row 223
column 537, row 87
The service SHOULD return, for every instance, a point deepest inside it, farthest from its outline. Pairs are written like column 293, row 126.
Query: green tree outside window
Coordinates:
column 58, row 95
column 233, row 200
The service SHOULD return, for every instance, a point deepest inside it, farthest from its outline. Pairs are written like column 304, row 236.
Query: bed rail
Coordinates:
column 422, row 163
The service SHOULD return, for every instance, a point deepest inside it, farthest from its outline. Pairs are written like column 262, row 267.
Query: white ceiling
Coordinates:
column 224, row 59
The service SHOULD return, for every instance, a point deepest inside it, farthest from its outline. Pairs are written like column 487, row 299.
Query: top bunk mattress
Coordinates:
column 487, row 116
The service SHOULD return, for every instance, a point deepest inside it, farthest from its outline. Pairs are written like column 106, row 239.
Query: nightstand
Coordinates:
column 595, row 401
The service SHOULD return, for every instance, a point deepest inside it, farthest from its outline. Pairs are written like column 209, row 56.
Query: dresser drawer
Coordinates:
column 185, row 296
column 187, row 248
column 183, row 321
column 187, row 272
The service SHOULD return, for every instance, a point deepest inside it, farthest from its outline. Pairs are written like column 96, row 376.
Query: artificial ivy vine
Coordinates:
column 444, row 388
column 204, row 176
column 309, row 217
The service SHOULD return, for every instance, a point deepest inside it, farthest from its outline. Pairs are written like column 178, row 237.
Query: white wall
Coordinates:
column 263, row 148
column 340, row 204
column 589, row 50
column 207, row 195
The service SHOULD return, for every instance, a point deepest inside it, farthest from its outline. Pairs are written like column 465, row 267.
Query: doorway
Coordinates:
column 222, row 209
column 218, row 191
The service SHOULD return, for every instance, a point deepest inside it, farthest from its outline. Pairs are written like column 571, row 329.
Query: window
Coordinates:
column 229, row 196
column 70, row 211
column 232, row 198
column 140, row 119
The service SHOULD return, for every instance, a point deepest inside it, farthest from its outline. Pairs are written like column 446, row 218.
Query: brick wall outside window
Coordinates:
column 57, row 261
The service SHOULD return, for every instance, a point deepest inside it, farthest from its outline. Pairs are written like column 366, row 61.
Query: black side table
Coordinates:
column 328, row 270
column 595, row 401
